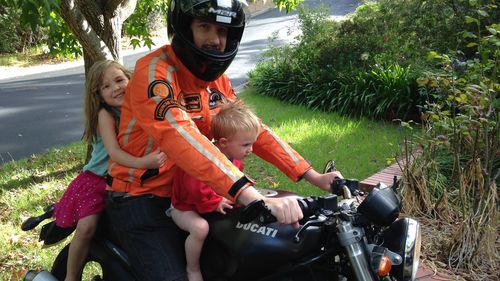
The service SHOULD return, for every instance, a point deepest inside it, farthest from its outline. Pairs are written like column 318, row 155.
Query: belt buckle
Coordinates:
column 116, row 194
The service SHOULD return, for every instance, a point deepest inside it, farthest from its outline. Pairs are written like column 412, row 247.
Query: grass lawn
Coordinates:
column 360, row 148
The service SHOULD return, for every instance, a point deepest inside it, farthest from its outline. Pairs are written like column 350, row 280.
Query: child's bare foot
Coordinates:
column 194, row 275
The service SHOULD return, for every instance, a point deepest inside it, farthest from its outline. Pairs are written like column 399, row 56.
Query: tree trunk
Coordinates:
column 97, row 24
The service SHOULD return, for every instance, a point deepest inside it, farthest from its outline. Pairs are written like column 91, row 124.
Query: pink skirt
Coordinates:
column 84, row 196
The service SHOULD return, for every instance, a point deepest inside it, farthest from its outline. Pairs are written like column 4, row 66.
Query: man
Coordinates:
column 169, row 105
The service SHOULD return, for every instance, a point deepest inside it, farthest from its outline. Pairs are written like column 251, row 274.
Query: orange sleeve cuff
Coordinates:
column 239, row 186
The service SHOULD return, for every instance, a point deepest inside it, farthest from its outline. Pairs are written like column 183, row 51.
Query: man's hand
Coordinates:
column 285, row 209
column 322, row 181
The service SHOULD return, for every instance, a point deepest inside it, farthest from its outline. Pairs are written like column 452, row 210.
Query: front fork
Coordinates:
column 351, row 238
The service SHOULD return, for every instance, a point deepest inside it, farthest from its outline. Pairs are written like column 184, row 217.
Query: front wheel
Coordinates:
column 100, row 264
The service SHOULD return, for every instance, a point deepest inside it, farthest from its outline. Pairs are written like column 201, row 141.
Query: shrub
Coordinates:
column 367, row 64
column 374, row 64
column 457, row 176
column 296, row 73
column 13, row 36
column 385, row 91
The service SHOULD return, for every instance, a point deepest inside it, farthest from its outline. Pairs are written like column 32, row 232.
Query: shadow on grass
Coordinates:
column 34, row 179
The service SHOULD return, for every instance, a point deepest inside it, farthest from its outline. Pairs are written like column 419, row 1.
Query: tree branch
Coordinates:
column 97, row 25
column 83, row 31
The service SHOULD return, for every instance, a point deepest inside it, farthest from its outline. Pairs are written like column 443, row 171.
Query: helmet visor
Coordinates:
column 224, row 12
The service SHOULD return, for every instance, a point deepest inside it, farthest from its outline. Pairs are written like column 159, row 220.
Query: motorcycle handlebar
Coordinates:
column 338, row 184
column 309, row 206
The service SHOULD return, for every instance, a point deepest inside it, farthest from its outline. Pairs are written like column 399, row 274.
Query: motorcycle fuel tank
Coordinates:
column 248, row 251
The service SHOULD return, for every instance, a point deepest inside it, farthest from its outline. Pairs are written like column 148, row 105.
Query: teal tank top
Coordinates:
column 99, row 160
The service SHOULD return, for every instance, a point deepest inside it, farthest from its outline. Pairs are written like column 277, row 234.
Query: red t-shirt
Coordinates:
column 190, row 194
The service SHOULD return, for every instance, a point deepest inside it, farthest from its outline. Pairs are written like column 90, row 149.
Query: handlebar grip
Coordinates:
column 266, row 217
column 338, row 183
column 258, row 210
column 336, row 186
column 252, row 211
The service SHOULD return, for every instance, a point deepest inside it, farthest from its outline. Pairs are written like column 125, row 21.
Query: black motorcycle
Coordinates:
column 343, row 236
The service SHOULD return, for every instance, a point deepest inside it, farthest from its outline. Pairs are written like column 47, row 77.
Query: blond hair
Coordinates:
column 232, row 118
column 93, row 101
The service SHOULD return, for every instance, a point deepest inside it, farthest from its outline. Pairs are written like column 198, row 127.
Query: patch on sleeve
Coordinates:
column 162, row 108
column 216, row 98
column 160, row 88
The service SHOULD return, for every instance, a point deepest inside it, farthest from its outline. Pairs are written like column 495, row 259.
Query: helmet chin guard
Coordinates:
column 207, row 65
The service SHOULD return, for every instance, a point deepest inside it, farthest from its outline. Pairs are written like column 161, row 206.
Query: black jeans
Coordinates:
column 152, row 241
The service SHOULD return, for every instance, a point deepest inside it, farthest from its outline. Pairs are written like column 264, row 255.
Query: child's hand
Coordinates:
column 224, row 204
column 154, row 160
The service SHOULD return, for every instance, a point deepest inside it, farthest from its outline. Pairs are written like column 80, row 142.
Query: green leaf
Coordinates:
column 468, row 34
column 492, row 30
column 134, row 42
column 483, row 13
column 469, row 19
column 432, row 55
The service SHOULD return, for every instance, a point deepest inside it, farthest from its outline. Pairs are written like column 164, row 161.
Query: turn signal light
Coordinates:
column 384, row 266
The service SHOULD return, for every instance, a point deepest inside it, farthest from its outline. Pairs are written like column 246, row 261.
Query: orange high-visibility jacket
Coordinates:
column 167, row 107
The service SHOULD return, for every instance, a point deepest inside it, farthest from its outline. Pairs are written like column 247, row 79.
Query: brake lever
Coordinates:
column 329, row 167
column 317, row 222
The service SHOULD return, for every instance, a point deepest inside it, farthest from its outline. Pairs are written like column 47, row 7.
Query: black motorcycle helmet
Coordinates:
column 207, row 65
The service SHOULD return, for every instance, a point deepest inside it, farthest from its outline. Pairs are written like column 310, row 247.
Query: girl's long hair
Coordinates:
column 93, row 101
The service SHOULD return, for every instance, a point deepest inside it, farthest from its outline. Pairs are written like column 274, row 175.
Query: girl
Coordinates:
column 84, row 198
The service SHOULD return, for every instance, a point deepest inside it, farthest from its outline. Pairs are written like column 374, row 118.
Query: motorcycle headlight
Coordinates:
column 403, row 238
column 381, row 206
